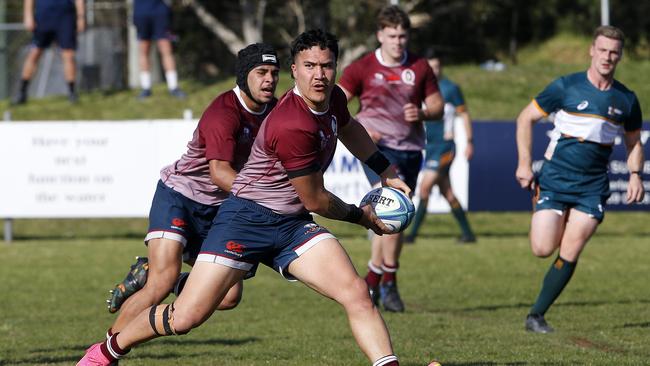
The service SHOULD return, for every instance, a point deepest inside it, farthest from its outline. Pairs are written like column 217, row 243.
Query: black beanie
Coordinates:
column 249, row 58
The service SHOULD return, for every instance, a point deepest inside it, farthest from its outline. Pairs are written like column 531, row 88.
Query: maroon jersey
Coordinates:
column 384, row 90
column 293, row 138
column 225, row 132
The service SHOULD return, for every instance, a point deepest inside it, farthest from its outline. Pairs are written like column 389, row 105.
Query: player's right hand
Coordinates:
column 525, row 176
column 369, row 220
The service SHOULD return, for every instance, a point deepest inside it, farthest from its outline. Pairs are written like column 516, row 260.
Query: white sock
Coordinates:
column 172, row 79
column 145, row 80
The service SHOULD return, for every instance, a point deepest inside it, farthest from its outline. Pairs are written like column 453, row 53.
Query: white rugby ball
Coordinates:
column 392, row 206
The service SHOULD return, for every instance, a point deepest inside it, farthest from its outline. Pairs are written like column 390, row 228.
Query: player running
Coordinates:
column 592, row 109
column 392, row 85
column 191, row 190
column 440, row 153
column 266, row 219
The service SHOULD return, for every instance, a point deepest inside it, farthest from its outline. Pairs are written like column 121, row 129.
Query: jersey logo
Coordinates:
column 408, row 77
column 613, row 110
column 583, row 105
column 379, row 76
column 334, row 125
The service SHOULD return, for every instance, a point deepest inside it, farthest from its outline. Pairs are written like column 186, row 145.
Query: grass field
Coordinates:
column 465, row 304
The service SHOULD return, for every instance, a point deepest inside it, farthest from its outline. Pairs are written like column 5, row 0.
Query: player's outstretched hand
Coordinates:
column 369, row 220
column 635, row 190
column 525, row 176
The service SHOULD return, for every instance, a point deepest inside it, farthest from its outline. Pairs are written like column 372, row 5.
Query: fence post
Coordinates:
column 6, row 116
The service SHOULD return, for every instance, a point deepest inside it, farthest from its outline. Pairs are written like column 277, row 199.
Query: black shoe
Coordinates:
column 374, row 295
column 535, row 323
column 21, row 98
column 466, row 239
column 390, row 297
column 73, row 98
column 178, row 93
column 144, row 94
column 134, row 281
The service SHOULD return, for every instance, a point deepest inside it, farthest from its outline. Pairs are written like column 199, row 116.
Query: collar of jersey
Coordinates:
column 243, row 104
column 380, row 59
column 297, row 92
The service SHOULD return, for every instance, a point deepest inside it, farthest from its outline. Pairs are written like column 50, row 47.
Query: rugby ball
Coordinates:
column 392, row 206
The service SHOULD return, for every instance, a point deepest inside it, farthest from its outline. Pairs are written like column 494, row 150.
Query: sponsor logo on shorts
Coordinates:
column 312, row 228
column 235, row 248
column 178, row 224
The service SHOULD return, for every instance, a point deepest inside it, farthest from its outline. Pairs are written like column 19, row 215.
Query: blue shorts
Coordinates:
column 439, row 156
column 153, row 26
column 591, row 205
column 63, row 31
column 176, row 217
column 245, row 234
column 408, row 165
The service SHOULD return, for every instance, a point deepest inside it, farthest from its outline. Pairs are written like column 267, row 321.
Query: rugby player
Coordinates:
column 266, row 218
column 191, row 190
column 52, row 20
column 592, row 109
column 392, row 84
column 152, row 20
column 440, row 153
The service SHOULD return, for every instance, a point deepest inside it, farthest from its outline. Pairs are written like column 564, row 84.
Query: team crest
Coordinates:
column 334, row 125
column 408, row 77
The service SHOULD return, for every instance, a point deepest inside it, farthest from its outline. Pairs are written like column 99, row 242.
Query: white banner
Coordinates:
column 85, row 168
column 110, row 168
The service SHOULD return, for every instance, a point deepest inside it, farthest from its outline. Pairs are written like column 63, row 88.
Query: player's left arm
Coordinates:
column 635, row 160
column 222, row 174
column 81, row 15
column 311, row 190
column 358, row 142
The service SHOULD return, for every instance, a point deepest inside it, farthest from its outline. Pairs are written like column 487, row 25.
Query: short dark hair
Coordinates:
column 393, row 16
column 314, row 37
column 609, row 32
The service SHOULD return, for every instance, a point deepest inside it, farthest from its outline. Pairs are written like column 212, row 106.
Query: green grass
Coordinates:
column 465, row 304
column 489, row 95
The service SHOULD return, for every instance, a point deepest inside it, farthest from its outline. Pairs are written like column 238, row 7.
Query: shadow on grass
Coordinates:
column 521, row 305
column 636, row 325
column 78, row 350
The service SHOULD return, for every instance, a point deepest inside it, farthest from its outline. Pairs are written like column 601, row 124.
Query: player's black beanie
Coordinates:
column 249, row 58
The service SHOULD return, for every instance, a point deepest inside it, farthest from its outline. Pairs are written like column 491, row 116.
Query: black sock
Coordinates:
column 71, row 87
column 24, row 85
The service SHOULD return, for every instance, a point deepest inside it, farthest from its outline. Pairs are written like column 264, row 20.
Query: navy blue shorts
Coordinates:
column 245, row 234
column 176, row 217
column 408, row 165
column 64, row 32
column 152, row 26
column 439, row 156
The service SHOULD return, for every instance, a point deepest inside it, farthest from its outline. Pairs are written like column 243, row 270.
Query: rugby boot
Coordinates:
column 537, row 324
column 178, row 93
column 134, row 281
column 144, row 94
column 390, row 297
column 95, row 357
column 374, row 294
column 466, row 239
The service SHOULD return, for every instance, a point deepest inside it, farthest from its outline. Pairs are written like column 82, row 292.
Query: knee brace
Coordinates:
column 161, row 319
